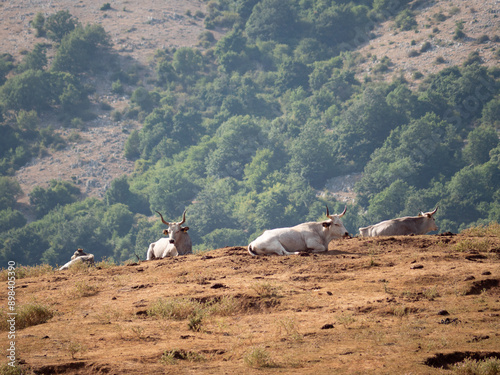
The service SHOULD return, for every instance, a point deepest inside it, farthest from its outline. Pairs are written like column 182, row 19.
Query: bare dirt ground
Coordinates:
column 389, row 305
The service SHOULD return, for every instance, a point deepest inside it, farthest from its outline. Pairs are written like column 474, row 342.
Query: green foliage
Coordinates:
column 80, row 49
column 105, row 6
column 35, row 60
column 406, row 20
column 10, row 219
column 272, row 20
column 491, row 112
column 38, row 24
column 187, row 61
column 59, row 24
column 480, row 142
column 9, row 191
column 237, row 140
column 58, row 193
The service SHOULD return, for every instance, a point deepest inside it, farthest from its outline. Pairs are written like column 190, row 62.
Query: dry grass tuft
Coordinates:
column 489, row 366
column 259, row 357
column 492, row 229
column 28, row 315
column 28, row 271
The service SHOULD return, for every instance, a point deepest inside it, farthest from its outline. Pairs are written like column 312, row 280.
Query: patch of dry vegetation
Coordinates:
column 427, row 298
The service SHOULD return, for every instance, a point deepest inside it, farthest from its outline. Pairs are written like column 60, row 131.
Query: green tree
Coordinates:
column 80, row 50
column 10, row 190
column 480, row 142
column 38, row 24
column 143, row 99
column 222, row 237
column 212, row 209
column 311, row 154
column 27, row 121
column 6, row 65
column 257, row 170
column 364, row 126
column 10, row 219
column 187, row 61
column 491, row 112
column 59, row 24
column 29, row 90
column 35, row 60
column 118, row 219
column 272, row 20
column 173, row 191
column 237, row 140
column 23, row 246
column 119, row 192
column 132, row 144
column 58, row 193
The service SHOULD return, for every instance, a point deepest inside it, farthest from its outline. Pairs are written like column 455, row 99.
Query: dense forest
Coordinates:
column 244, row 132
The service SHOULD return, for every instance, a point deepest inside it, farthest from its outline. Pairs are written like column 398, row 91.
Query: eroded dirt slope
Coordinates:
column 383, row 306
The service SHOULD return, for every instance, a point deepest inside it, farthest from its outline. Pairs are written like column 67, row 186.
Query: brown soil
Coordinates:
column 381, row 306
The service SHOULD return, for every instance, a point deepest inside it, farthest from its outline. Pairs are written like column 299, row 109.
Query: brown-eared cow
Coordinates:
column 177, row 243
column 421, row 224
column 306, row 237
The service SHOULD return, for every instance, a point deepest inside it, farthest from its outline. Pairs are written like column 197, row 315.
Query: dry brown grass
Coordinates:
column 322, row 313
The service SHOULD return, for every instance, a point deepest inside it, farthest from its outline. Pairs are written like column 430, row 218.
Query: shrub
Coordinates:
column 117, row 87
column 178, row 308
column 426, row 47
column 483, row 39
column 406, row 20
column 417, row 75
column 106, row 6
column 413, row 53
column 85, row 289
column 258, row 357
column 439, row 60
column 472, row 58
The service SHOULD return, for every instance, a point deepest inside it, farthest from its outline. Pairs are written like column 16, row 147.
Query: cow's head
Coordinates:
column 334, row 226
column 430, row 223
column 174, row 228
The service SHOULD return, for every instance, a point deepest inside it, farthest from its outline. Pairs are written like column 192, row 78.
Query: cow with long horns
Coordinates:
column 306, row 237
column 421, row 224
column 178, row 241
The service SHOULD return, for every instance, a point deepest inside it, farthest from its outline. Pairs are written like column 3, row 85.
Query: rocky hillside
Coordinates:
column 431, row 44
column 138, row 29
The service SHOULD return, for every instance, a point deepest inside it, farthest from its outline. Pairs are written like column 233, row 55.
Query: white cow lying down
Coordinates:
column 78, row 257
column 306, row 237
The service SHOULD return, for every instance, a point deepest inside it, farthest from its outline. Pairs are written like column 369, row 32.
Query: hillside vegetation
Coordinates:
column 245, row 130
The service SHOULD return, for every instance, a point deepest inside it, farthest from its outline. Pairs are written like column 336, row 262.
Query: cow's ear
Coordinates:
column 185, row 229
column 326, row 224
column 165, row 232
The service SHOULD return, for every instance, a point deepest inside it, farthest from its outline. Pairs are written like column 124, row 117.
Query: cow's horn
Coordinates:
column 183, row 217
column 162, row 220
column 327, row 212
column 343, row 212
column 433, row 212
